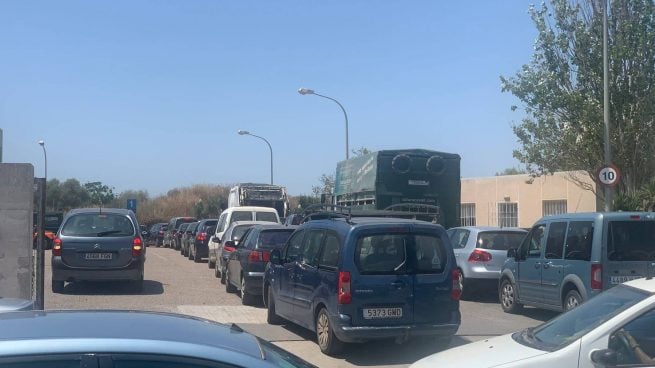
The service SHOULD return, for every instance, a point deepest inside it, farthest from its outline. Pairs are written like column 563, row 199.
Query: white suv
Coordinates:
column 232, row 214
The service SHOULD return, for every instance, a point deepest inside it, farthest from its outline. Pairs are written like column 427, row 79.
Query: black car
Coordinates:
column 177, row 236
column 157, row 232
column 187, row 237
column 198, row 245
column 245, row 266
column 171, row 232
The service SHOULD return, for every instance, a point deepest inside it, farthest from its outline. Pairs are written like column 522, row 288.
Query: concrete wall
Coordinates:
column 529, row 193
column 16, row 208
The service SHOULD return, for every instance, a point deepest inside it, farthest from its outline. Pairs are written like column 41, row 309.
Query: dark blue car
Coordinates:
column 353, row 280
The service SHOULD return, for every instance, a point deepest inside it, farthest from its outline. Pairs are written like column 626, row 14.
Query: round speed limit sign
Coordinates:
column 609, row 175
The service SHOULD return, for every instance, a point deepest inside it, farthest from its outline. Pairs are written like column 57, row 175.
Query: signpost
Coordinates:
column 609, row 175
column 131, row 204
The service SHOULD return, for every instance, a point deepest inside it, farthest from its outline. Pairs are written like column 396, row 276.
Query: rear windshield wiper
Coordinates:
column 108, row 232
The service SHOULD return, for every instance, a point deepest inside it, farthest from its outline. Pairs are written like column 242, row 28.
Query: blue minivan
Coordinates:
column 357, row 279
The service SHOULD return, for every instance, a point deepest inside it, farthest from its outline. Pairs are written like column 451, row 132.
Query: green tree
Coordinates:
column 73, row 195
column 561, row 90
column 511, row 171
column 326, row 185
column 99, row 194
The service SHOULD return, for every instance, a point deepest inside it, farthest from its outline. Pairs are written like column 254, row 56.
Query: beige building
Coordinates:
column 519, row 200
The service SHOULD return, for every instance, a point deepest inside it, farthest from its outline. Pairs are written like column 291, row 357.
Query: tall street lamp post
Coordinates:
column 45, row 159
column 606, row 107
column 307, row 91
column 245, row 132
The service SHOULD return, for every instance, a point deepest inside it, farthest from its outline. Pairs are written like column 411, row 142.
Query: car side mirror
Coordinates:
column 604, row 357
column 511, row 253
column 230, row 243
column 276, row 257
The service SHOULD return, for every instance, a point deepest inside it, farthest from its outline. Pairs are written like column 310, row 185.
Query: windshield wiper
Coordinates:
column 108, row 232
column 529, row 332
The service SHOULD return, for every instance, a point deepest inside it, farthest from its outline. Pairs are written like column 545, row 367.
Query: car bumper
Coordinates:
column 63, row 272
column 202, row 250
column 348, row 333
column 480, row 273
column 254, row 283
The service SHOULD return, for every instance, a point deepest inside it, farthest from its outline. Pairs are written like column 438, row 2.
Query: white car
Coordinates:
column 615, row 328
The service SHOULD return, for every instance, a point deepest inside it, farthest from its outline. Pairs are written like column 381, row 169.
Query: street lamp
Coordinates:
column 245, row 132
column 307, row 91
column 45, row 158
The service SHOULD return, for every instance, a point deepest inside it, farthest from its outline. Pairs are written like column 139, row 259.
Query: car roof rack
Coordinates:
column 424, row 212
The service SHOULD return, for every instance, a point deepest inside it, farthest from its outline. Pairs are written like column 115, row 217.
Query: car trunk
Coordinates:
column 109, row 252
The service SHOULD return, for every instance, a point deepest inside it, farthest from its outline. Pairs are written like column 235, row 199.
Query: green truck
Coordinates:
column 415, row 180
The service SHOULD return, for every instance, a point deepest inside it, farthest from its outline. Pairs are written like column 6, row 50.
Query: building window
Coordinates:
column 467, row 214
column 508, row 214
column 555, row 207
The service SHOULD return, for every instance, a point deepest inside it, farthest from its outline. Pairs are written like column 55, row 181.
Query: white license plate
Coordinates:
column 373, row 313
column 97, row 256
column 615, row 280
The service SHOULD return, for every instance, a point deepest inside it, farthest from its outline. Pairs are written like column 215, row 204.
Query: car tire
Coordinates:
column 229, row 288
column 271, row 317
column 507, row 297
column 327, row 340
column 138, row 284
column 572, row 300
column 57, row 286
column 246, row 297
column 217, row 272
column 196, row 258
column 465, row 286
column 210, row 263
column 223, row 272
column 189, row 252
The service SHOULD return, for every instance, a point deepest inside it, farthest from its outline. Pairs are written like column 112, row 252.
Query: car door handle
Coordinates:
column 547, row 265
column 397, row 284
column 536, row 265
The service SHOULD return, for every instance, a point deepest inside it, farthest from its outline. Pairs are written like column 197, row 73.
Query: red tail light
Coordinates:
column 201, row 237
column 259, row 256
column 479, row 255
column 56, row 247
column 137, row 247
column 343, row 291
column 229, row 249
column 456, row 292
column 597, row 277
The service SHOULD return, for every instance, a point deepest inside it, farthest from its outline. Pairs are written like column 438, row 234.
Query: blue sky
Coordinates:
column 150, row 94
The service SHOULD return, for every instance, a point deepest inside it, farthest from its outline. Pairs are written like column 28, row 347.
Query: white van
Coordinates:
column 232, row 214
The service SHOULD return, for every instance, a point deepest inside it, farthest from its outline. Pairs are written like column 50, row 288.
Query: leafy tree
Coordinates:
column 326, row 185
column 511, row 171
column 561, row 90
column 99, row 194
column 73, row 195
column 361, row 151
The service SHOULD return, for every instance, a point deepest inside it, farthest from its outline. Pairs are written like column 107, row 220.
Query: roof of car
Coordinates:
column 238, row 223
column 274, row 226
column 366, row 221
column 646, row 284
column 124, row 325
column 491, row 228
column 250, row 208
column 607, row 215
column 121, row 211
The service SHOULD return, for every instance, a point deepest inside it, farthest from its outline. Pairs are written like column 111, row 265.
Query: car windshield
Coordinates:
column 574, row 324
column 269, row 239
column 239, row 230
column 98, row 225
column 265, row 216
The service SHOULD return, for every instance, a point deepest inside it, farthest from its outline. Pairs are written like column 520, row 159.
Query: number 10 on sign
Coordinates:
column 609, row 175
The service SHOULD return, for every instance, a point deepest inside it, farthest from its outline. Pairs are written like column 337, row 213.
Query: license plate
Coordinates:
column 373, row 313
column 97, row 256
column 615, row 280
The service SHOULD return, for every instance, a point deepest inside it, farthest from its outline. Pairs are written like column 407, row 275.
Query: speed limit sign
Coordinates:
column 609, row 175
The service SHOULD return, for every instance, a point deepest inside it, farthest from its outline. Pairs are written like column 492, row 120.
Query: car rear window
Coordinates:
column 241, row 216
column 631, row 241
column 52, row 220
column 238, row 231
column 499, row 240
column 183, row 221
column 273, row 239
column 400, row 254
column 266, row 216
column 96, row 224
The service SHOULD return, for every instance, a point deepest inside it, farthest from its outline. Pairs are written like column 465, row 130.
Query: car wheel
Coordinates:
column 464, row 286
column 572, row 300
column 229, row 288
column 211, row 263
column 217, row 271
column 189, row 252
column 196, row 258
column 507, row 296
column 223, row 272
column 57, row 286
column 327, row 341
column 246, row 298
column 138, row 284
column 271, row 317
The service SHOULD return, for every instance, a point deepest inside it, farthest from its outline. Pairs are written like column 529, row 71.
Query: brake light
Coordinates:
column 259, row 256
column 137, row 247
column 635, row 217
column 201, row 237
column 56, row 247
column 343, row 292
column 479, row 255
column 229, row 249
column 456, row 292
column 597, row 276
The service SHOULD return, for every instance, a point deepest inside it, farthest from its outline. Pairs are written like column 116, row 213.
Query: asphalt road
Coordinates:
column 175, row 284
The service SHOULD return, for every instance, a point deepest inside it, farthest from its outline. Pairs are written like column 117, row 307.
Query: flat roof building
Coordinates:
column 520, row 200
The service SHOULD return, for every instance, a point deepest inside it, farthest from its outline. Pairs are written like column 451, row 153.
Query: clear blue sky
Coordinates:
column 149, row 94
